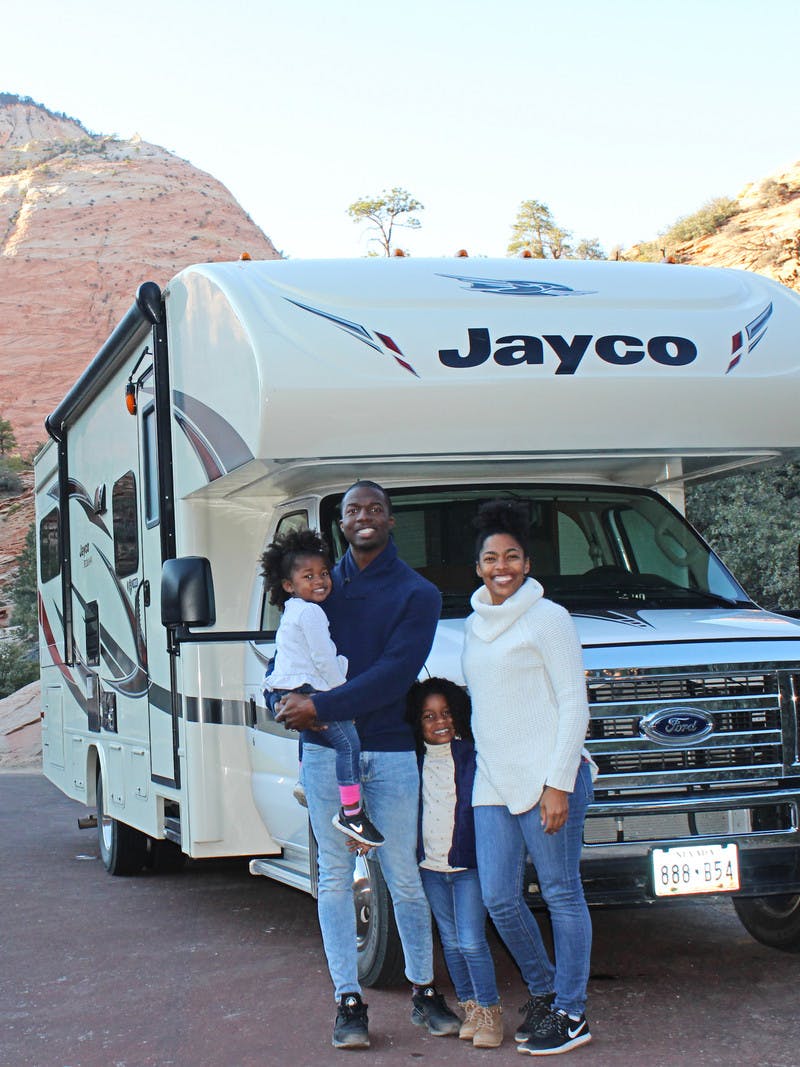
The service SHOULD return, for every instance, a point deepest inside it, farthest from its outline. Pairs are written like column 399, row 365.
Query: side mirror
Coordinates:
column 187, row 592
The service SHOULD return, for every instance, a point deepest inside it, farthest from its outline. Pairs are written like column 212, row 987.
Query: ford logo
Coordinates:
column 677, row 726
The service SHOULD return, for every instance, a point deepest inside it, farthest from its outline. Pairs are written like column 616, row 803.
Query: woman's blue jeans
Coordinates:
column 457, row 905
column 503, row 840
column 390, row 789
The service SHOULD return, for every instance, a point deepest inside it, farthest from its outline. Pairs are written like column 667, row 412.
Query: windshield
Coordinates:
column 589, row 546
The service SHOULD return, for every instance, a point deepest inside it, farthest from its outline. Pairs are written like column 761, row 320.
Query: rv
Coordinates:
column 246, row 397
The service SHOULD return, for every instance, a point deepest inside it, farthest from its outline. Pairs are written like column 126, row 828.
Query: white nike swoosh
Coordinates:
column 574, row 1033
column 359, row 829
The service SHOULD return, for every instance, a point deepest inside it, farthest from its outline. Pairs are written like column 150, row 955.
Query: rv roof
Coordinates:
column 603, row 368
column 518, row 358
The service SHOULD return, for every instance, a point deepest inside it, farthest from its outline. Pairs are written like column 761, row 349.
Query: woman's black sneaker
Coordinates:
column 557, row 1032
column 535, row 1009
column 358, row 827
column 430, row 1010
column 350, row 1029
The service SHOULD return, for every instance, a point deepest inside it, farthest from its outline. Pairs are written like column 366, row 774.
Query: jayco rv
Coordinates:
column 246, row 397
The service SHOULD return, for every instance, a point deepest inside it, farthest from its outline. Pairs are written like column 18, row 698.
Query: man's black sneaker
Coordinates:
column 535, row 1009
column 358, row 827
column 557, row 1032
column 430, row 1010
column 350, row 1029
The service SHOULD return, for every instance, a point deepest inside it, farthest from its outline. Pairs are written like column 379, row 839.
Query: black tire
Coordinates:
column 164, row 857
column 380, row 952
column 772, row 921
column 123, row 850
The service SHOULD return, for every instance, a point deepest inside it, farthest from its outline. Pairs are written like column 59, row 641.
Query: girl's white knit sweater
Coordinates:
column 524, row 669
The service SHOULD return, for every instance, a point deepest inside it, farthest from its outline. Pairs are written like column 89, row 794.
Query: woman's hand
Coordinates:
column 553, row 809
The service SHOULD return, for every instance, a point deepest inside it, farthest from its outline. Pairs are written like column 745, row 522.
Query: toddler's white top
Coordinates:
column 304, row 651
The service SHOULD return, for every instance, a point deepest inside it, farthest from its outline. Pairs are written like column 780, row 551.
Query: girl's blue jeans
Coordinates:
column 503, row 841
column 457, row 905
column 342, row 736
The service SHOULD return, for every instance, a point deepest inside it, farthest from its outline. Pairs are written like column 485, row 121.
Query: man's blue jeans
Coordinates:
column 390, row 789
column 503, row 840
column 457, row 905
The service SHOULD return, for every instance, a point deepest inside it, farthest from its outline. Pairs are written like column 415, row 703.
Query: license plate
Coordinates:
column 695, row 869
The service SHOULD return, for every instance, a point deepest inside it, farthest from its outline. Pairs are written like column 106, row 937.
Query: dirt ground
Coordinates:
column 215, row 967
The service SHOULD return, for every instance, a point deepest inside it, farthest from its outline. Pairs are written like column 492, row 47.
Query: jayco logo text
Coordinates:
column 620, row 350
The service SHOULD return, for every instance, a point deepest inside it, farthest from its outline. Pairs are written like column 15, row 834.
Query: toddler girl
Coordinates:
column 439, row 714
column 296, row 566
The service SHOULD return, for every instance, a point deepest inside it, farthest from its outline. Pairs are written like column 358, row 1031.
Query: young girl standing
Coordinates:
column 439, row 713
column 296, row 566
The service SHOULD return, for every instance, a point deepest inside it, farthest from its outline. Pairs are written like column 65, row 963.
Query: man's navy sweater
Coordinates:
column 383, row 618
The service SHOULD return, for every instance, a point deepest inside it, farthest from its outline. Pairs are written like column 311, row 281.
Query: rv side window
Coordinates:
column 126, row 526
column 270, row 614
column 50, row 546
column 150, row 467
column 92, row 622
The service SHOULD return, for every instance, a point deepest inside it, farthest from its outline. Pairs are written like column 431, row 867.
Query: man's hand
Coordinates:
column 357, row 846
column 553, row 809
column 297, row 712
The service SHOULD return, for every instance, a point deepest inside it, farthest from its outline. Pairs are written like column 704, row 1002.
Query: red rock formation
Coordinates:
column 84, row 220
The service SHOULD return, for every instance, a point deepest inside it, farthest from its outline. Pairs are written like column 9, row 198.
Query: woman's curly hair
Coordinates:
column 282, row 555
column 502, row 517
column 457, row 701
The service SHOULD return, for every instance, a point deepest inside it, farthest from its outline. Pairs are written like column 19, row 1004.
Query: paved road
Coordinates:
column 213, row 967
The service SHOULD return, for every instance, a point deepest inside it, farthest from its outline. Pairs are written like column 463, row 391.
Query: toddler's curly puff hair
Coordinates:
column 281, row 556
column 457, row 700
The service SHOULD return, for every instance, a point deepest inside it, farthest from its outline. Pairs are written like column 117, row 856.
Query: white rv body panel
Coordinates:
column 288, row 380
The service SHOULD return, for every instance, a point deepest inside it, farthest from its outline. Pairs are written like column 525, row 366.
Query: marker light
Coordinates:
column 130, row 398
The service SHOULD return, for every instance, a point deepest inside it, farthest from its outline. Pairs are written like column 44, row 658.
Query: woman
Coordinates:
column 524, row 669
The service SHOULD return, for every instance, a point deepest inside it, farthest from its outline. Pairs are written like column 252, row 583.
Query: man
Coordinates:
column 383, row 617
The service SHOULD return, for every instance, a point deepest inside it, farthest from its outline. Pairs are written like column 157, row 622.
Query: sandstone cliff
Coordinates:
column 762, row 234
column 84, row 220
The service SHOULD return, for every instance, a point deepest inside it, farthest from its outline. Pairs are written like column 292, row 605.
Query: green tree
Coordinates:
column 7, row 439
column 19, row 652
column 752, row 521
column 537, row 232
column 384, row 213
column 17, row 668
column 23, row 592
column 589, row 248
column 708, row 219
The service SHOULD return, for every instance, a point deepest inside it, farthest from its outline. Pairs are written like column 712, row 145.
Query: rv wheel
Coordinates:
column 164, row 857
column 123, row 850
column 773, row 921
column 380, row 953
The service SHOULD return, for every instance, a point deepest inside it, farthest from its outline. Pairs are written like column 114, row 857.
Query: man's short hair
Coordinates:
column 365, row 483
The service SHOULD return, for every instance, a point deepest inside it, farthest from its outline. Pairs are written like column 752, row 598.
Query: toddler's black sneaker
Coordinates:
column 350, row 1029
column 358, row 827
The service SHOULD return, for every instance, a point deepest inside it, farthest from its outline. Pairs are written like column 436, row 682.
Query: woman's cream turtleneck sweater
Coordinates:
column 524, row 669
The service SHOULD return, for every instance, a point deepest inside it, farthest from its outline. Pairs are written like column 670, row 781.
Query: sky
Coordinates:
column 620, row 116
